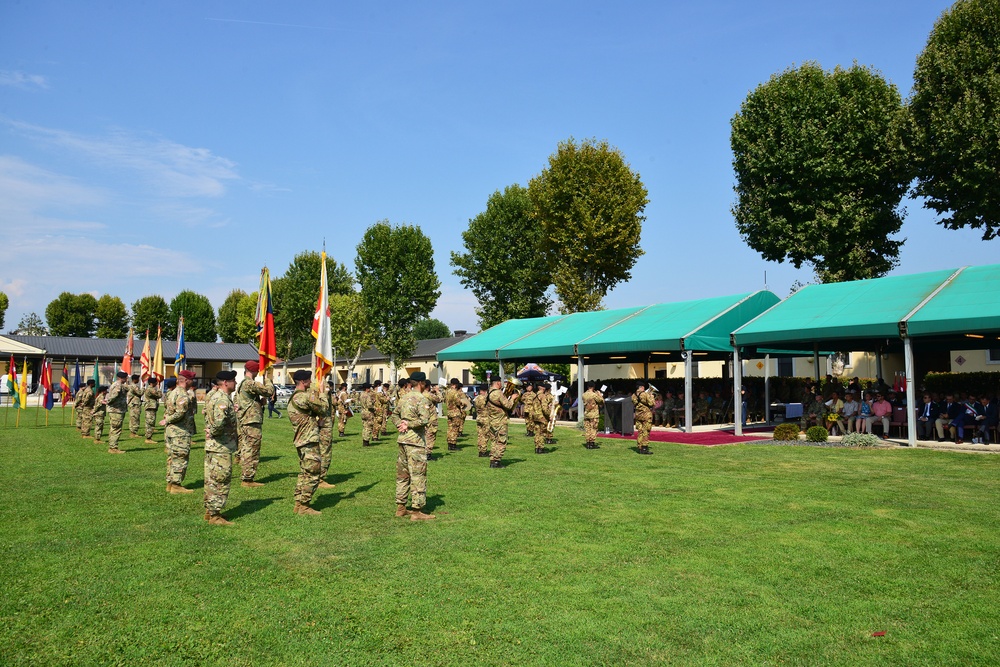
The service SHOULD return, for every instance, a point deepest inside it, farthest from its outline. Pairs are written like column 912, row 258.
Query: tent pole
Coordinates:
column 878, row 361
column 816, row 361
column 911, row 391
column 688, row 370
column 579, row 390
column 737, row 393
column 767, row 388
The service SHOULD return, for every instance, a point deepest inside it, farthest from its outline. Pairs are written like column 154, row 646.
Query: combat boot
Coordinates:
column 402, row 511
column 177, row 488
column 417, row 515
column 208, row 515
column 218, row 520
column 495, row 464
column 115, row 451
column 323, row 484
column 148, row 441
column 365, row 443
column 483, row 455
column 644, row 450
column 341, row 434
column 302, row 508
column 250, row 484
column 452, row 447
column 539, row 450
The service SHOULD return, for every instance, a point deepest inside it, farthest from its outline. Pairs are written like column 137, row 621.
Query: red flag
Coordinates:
column 47, row 399
column 129, row 351
column 267, row 347
column 66, row 390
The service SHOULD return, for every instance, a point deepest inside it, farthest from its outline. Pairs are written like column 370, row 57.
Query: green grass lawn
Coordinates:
column 751, row 555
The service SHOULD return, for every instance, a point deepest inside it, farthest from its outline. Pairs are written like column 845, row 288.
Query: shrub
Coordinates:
column 786, row 431
column 860, row 440
column 817, row 434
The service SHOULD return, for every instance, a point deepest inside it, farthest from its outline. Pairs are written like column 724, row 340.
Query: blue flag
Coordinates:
column 179, row 360
column 77, row 383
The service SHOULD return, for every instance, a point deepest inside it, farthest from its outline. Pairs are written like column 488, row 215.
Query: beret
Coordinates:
column 169, row 383
column 252, row 366
column 121, row 374
column 419, row 376
column 403, row 383
column 91, row 383
column 135, row 378
column 225, row 375
column 187, row 374
column 301, row 375
column 456, row 382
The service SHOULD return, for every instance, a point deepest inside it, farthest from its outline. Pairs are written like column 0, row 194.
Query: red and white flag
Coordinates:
column 144, row 361
column 323, row 351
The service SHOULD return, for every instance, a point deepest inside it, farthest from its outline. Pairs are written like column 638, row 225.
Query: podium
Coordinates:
column 619, row 415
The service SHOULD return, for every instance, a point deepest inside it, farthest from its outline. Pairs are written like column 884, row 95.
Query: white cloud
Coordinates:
column 26, row 189
column 170, row 169
column 22, row 80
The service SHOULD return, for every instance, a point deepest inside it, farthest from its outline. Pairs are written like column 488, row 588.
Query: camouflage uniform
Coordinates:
column 304, row 410
column 117, row 406
column 411, row 462
column 326, row 431
column 643, row 418
column 97, row 415
column 343, row 406
column 482, row 424
column 541, row 410
column 151, row 403
column 528, row 399
column 700, row 408
column 456, row 405
column 250, row 416
column 381, row 406
column 814, row 415
column 498, row 409
column 430, row 433
column 134, row 407
column 221, row 442
column 85, row 406
column 179, row 418
column 367, row 414
column 592, row 402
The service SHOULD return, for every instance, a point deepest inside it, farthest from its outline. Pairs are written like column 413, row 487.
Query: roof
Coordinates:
column 10, row 346
column 426, row 349
column 852, row 315
column 702, row 325
column 108, row 348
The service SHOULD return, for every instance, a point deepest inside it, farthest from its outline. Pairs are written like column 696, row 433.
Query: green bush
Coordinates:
column 951, row 383
column 860, row 440
column 786, row 431
column 817, row 434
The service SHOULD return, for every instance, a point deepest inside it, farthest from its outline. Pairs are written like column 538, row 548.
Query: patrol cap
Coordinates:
column 419, row 376
column 169, row 383
column 301, row 375
column 122, row 374
column 222, row 376
column 252, row 366
column 187, row 375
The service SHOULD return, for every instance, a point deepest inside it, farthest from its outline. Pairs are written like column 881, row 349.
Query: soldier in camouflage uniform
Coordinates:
column 85, row 406
column 541, row 409
column 498, row 409
column 814, row 413
column 528, row 399
column 456, row 405
column 433, row 395
column 117, row 401
column 100, row 411
column 380, row 400
column 700, row 409
column 643, row 402
column 178, row 423
column 592, row 402
column 250, row 399
column 151, row 403
column 329, row 399
column 482, row 425
column 134, row 406
column 343, row 408
column 304, row 411
column 367, row 414
column 221, row 442
column 412, row 414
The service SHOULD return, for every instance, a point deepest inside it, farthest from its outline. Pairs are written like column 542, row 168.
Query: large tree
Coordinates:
column 72, row 315
column 954, row 138
column 198, row 314
column 4, row 303
column 430, row 327
column 820, row 171
column 503, row 263
column 31, row 325
column 589, row 204
column 246, row 323
column 294, row 299
column 148, row 313
column 228, row 321
column 395, row 267
column 112, row 317
column 350, row 332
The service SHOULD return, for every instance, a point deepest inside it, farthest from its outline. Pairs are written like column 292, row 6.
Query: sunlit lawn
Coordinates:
column 704, row 556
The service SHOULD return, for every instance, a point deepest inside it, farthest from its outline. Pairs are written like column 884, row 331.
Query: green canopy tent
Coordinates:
column 638, row 334
column 954, row 309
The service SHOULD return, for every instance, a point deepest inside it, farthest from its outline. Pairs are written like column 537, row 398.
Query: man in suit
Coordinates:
column 926, row 414
column 989, row 419
column 948, row 410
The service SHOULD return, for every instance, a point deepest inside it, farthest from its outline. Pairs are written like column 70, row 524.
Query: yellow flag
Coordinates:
column 22, row 390
column 159, row 370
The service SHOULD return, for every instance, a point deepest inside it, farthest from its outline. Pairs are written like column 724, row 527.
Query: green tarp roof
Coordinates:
column 702, row 325
column 934, row 303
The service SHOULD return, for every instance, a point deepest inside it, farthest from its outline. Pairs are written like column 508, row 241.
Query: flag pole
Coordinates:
column 39, row 384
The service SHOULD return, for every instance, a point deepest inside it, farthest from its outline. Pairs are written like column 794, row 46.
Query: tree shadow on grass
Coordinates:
column 274, row 477
column 250, row 506
column 328, row 500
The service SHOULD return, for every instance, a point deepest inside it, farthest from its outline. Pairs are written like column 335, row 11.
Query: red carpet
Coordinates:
column 707, row 438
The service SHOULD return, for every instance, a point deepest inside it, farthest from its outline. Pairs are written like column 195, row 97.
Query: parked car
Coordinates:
column 284, row 390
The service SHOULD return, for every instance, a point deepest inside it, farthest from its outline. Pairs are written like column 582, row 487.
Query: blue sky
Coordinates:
column 154, row 147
